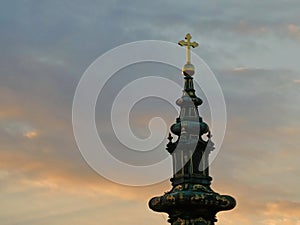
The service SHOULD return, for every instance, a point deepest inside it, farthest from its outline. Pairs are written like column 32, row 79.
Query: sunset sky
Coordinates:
column 253, row 47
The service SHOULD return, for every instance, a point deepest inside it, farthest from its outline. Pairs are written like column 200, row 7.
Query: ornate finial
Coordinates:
column 188, row 45
column 170, row 137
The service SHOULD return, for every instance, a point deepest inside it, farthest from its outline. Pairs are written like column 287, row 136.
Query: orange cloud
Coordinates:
column 239, row 69
column 31, row 134
column 6, row 112
column 283, row 208
column 248, row 28
column 297, row 81
column 294, row 30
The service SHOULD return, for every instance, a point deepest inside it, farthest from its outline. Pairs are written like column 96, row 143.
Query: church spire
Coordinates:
column 191, row 201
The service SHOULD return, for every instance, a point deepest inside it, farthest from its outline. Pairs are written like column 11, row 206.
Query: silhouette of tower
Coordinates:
column 191, row 201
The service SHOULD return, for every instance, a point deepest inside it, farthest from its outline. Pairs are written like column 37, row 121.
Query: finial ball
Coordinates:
column 188, row 69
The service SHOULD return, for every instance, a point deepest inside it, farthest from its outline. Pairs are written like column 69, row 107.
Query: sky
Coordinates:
column 252, row 46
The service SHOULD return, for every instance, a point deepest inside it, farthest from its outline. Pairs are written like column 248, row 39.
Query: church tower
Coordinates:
column 191, row 201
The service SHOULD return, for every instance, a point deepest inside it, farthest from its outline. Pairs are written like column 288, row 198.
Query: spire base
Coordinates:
column 189, row 204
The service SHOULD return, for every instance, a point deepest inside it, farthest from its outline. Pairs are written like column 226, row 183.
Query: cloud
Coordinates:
column 31, row 134
column 246, row 28
column 283, row 208
column 17, row 128
column 294, row 30
column 239, row 69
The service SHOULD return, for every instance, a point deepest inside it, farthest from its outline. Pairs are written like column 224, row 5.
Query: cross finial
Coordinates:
column 188, row 45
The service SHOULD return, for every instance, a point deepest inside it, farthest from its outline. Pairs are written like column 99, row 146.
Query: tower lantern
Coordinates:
column 191, row 201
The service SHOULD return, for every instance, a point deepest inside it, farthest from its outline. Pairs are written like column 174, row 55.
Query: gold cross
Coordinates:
column 188, row 45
